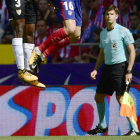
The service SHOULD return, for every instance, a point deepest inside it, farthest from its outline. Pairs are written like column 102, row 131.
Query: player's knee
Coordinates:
column 99, row 98
column 96, row 98
column 69, row 31
column 76, row 36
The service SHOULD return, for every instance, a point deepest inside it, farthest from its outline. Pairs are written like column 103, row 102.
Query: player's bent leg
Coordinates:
column 69, row 26
column 76, row 35
column 53, row 39
column 72, row 30
column 35, row 60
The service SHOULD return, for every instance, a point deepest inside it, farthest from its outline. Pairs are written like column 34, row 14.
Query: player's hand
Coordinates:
column 128, row 77
column 93, row 74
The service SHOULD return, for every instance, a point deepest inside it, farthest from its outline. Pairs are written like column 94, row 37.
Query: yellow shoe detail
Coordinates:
column 33, row 59
column 26, row 76
column 37, row 84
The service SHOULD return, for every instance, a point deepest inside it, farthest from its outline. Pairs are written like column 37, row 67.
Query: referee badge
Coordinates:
column 18, row 12
column 114, row 45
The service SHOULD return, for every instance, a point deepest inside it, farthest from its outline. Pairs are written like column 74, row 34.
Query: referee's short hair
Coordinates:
column 111, row 7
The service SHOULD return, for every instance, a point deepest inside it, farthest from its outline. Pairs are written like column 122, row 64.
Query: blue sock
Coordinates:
column 101, row 112
column 133, row 125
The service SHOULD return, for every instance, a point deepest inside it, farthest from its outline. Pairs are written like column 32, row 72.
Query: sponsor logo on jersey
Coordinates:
column 69, row 12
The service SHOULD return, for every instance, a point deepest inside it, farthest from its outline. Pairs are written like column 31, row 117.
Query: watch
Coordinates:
column 128, row 71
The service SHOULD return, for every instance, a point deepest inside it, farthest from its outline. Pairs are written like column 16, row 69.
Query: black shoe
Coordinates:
column 97, row 130
column 132, row 132
column 39, row 62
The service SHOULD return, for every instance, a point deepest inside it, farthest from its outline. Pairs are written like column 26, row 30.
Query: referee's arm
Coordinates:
column 100, row 59
column 128, row 76
column 132, row 56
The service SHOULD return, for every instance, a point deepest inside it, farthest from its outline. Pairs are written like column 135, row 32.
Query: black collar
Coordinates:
column 109, row 30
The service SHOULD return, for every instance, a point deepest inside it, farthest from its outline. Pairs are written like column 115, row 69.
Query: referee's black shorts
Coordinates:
column 22, row 9
column 112, row 79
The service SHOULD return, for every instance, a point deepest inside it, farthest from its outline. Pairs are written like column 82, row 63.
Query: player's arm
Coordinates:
column 99, row 62
column 132, row 56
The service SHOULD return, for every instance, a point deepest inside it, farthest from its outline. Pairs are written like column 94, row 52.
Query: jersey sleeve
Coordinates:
column 101, row 44
column 128, row 38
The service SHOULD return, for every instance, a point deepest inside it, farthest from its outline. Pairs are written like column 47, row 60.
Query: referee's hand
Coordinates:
column 128, row 77
column 93, row 74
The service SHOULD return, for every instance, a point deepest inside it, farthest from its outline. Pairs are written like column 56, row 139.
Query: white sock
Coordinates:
column 17, row 44
column 42, row 57
column 38, row 51
column 28, row 49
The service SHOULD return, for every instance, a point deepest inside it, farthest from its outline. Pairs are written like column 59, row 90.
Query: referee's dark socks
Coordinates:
column 101, row 112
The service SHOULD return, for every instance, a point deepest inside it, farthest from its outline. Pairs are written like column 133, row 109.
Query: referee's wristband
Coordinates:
column 128, row 71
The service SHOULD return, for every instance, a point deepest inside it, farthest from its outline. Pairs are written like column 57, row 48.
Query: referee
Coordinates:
column 114, row 40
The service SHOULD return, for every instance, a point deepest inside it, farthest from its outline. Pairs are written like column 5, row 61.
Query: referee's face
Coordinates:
column 111, row 17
